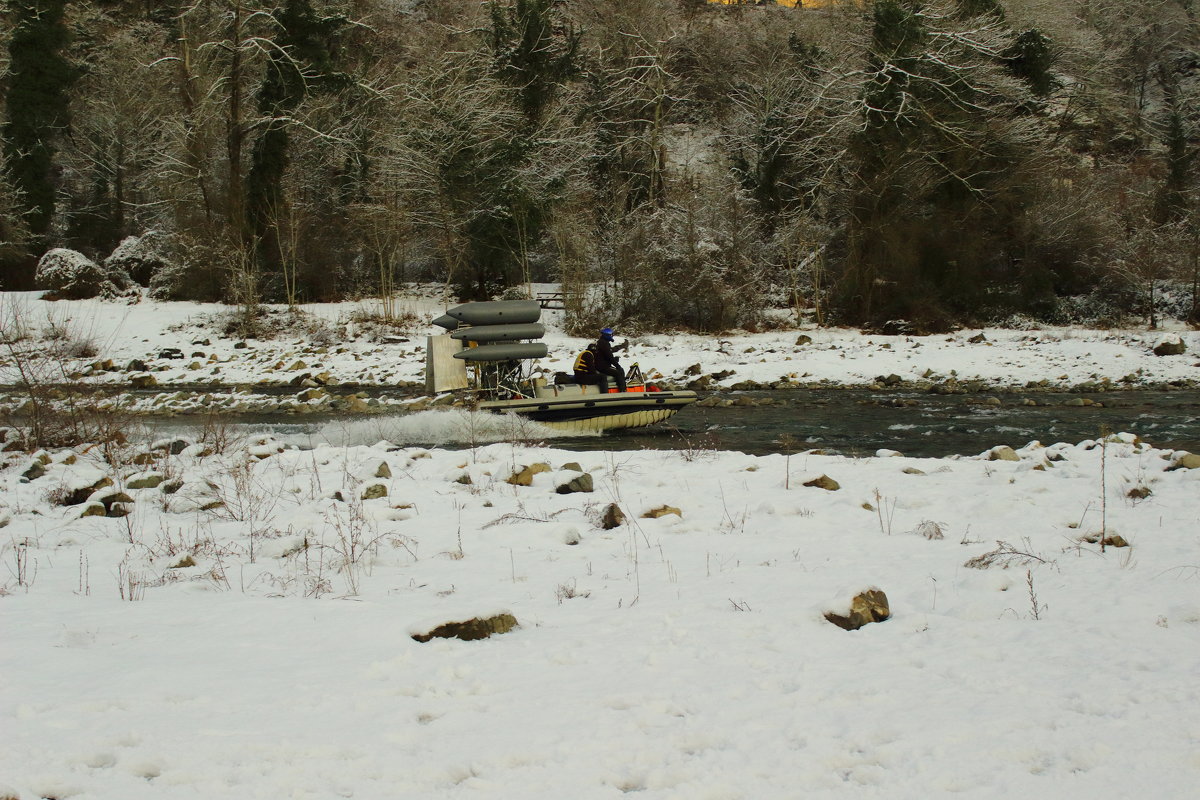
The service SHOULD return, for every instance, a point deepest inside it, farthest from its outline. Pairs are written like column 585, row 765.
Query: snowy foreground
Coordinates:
column 249, row 635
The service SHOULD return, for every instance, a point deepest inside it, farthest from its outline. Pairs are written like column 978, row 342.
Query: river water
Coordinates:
column 851, row 422
column 856, row 422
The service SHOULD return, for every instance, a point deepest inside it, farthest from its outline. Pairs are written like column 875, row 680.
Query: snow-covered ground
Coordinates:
column 246, row 629
column 249, row 634
column 342, row 350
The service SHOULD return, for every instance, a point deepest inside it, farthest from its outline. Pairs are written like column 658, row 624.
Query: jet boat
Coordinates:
column 487, row 351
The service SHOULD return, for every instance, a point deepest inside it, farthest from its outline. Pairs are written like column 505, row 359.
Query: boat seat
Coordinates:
column 567, row 390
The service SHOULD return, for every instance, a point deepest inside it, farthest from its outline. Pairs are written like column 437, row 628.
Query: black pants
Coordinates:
column 615, row 372
column 592, row 379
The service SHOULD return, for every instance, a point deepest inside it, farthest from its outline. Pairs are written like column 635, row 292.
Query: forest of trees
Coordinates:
column 935, row 161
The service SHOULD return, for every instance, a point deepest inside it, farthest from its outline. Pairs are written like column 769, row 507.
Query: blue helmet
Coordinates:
column 606, row 332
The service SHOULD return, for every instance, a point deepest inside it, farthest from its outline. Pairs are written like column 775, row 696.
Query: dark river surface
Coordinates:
column 847, row 421
column 856, row 422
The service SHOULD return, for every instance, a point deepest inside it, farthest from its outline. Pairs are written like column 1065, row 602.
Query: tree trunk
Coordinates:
column 193, row 148
column 235, row 132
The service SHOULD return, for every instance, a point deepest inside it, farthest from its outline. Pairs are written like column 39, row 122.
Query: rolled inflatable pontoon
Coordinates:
column 504, row 352
column 500, row 333
column 497, row 312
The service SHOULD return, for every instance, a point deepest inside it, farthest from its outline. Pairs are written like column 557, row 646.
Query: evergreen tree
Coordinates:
column 774, row 156
column 535, row 51
column 941, row 167
column 889, row 134
column 302, row 61
column 1178, row 136
column 1172, row 202
column 36, row 114
column 1030, row 58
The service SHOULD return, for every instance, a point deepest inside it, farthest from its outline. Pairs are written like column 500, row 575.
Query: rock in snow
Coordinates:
column 524, row 476
column 581, row 483
column 1002, row 453
column 866, row 607
column 140, row 257
column 612, row 517
column 470, row 630
column 1170, row 345
column 823, row 482
column 70, row 275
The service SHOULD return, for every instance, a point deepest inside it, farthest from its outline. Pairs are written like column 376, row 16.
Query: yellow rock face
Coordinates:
column 525, row 476
column 662, row 511
column 824, row 482
column 374, row 492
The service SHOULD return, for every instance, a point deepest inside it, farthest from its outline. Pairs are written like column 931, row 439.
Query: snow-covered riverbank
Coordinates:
column 231, row 616
column 245, row 629
column 169, row 344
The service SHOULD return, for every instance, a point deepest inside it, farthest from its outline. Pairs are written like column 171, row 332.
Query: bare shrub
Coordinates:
column 79, row 348
column 311, row 328
column 386, row 318
column 1004, row 556
column 521, row 515
column 686, row 265
column 357, row 541
column 248, row 497
column 24, row 568
column 568, row 591
column 56, row 411
column 131, row 583
column 885, row 510
column 1036, row 608
column 65, row 341
column 218, row 436
column 586, row 315
column 322, row 334
column 196, row 544
column 696, row 447
column 931, row 530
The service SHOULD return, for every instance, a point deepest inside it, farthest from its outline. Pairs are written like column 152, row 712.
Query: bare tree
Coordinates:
column 945, row 145
column 118, row 136
column 14, row 233
column 457, row 157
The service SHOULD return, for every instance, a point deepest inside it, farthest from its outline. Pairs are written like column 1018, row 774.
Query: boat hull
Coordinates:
column 613, row 422
column 596, row 412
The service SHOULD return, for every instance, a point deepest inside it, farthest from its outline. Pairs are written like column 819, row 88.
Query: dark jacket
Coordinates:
column 604, row 354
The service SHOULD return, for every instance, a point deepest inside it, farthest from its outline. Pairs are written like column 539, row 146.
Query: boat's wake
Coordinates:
column 437, row 428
